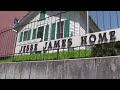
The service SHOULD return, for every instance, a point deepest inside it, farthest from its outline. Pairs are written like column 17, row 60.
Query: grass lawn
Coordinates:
column 50, row 56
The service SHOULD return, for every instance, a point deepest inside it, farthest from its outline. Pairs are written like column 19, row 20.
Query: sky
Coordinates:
column 106, row 19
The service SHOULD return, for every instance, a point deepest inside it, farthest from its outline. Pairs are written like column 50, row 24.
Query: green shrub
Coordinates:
column 71, row 54
column 106, row 49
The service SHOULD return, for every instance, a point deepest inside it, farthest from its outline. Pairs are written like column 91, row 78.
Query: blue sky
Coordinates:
column 102, row 18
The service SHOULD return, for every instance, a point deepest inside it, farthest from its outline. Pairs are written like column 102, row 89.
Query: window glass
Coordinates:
column 52, row 35
column 46, row 33
column 34, row 34
column 66, row 28
column 21, row 36
column 25, row 35
column 60, row 29
column 40, row 32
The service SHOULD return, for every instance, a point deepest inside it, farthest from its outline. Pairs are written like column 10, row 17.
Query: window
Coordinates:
column 34, row 34
column 27, row 35
column 66, row 28
column 46, row 33
column 21, row 36
column 52, row 35
column 42, row 15
column 60, row 29
column 40, row 32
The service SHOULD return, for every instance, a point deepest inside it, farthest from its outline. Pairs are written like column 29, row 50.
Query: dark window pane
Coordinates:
column 29, row 35
column 34, row 34
column 61, row 35
column 40, row 32
column 60, row 29
column 66, row 28
column 53, row 27
column 25, row 35
column 21, row 36
column 46, row 33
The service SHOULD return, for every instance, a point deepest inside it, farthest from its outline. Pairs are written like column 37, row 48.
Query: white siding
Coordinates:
column 77, row 25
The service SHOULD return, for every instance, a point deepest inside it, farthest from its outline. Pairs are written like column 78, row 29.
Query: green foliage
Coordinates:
column 106, row 49
column 71, row 54
column 100, row 50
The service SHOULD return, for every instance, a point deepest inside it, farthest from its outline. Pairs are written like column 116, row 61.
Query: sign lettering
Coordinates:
column 87, row 39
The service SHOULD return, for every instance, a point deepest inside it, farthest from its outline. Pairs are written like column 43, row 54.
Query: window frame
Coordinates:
column 27, row 37
column 47, row 27
column 34, row 37
column 59, row 32
column 42, row 33
column 53, row 30
column 21, row 37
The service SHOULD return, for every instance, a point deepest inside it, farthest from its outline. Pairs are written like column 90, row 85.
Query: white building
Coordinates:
column 39, row 27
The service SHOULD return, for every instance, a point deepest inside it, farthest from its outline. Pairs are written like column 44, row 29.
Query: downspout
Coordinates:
column 87, row 23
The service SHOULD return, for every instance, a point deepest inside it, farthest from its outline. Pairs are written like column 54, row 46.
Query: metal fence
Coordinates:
column 103, row 20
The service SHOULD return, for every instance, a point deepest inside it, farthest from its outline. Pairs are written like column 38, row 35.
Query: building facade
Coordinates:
column 7, row 34
column 46, row 30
